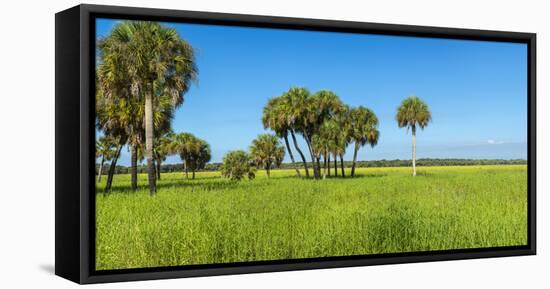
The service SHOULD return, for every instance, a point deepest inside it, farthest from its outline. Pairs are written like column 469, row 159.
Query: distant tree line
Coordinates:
column 427, row 162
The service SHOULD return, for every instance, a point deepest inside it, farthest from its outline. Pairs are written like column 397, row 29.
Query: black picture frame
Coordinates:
column 75, row 142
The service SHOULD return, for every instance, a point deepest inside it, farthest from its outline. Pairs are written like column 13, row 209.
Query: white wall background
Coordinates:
column 27, row 143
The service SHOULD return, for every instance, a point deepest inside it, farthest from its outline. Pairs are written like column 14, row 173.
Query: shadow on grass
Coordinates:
column 362, row 176
column 217, row 183
column 199, row 183
column 332, row 177
column 202, row 183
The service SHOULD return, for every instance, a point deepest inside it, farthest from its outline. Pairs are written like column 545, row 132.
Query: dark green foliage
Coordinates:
column 237, row 165
column 266, row 152
column 193, row 151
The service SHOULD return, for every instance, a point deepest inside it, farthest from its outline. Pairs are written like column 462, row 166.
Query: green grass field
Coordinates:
column 382, row 210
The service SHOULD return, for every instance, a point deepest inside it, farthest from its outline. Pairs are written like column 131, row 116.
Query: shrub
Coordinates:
column 237, row 165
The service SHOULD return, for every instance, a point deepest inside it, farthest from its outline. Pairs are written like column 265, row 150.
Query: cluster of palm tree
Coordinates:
column 326, row 124
column 194, row 152
column 143, row 71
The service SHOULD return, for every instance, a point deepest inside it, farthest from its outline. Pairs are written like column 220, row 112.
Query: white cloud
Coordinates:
column 494, row 142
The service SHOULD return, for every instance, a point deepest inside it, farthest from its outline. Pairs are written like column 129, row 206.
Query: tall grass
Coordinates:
column 383, row 210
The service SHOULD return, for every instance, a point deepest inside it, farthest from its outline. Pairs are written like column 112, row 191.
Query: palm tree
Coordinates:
column 318, row 149
column 413, row 112
column 154, row 61
column 113, row 119
column 194, row 152
column 162, row 150
column 323, row 105
column 116, row 88
column 112, row 168
column 323, row 143
column 294, row 109
column 274, row 117
column 132, row 116
column 204, row 156
column 105, row 149
column 199, row 155
column 363, row 130
column 181, row 146
column 267, row 152
column 342, row 119
column 331, row 131
column 163, row 113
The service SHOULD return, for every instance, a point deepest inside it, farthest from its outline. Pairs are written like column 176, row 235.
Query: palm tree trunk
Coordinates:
column 158, row 168
column 149, row 142
column 335, row 165
column 316, row 168
column 155, row 170
column 300, row 152
column 291, row 156
column 319, row 166
column 328, row 164
column 342, row 165
column 414, row 149
column 109, row 183
column 325, row 166
column 356, row 149
column 100, row 168
column 314, row 159
column 185, row 170
column 133, row 167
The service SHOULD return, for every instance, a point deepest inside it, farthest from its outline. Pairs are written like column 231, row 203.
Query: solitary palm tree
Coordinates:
column 363, row 130
column 411, row 113
column 157, row 62
column 267, row 152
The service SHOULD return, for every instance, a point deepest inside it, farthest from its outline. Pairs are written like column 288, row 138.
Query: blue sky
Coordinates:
column 476, row 90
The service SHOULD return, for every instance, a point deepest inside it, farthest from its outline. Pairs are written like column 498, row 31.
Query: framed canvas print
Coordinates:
column 193, row 144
